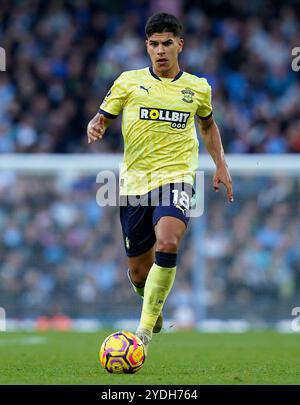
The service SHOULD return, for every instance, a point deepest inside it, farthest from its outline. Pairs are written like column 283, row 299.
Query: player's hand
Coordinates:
column 222, row 175
column 96, row 128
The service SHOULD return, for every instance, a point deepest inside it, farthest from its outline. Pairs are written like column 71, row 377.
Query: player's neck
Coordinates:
column 167, row 74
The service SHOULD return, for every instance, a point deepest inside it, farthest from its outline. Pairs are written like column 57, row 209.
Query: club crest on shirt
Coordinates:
column 187, row 95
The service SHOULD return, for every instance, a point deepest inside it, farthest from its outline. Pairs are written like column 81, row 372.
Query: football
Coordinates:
column 122, row 352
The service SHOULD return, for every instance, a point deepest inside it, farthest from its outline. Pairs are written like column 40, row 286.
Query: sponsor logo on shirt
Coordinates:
column 177, row 119
column 144, row 88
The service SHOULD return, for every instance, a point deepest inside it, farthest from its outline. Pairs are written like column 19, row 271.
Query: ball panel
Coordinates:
column 117, row 365
column 136, row 355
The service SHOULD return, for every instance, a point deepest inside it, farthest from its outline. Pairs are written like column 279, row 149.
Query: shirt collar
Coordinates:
column 179, row 74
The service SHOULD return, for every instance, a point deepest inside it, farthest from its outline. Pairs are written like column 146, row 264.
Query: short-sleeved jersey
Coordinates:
column 158, row 126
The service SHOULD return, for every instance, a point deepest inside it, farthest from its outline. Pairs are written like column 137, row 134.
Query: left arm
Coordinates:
column 213, row 143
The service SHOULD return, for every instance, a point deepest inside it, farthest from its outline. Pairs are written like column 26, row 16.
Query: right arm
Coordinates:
column 97, row 127
column 110, row 108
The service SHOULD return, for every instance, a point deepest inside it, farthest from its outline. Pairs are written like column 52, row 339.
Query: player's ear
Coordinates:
column 180, row 43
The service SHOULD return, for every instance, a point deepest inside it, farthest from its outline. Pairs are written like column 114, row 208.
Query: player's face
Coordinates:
column 163, row 49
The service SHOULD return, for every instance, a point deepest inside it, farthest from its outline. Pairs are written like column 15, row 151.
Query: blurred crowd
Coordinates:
column 61, row 253
column 62, row 57
column 251, row 249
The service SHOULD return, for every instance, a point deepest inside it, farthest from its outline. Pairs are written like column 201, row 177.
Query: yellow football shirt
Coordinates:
column 160, row 139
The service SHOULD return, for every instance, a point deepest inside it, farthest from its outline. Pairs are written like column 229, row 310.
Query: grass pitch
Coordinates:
column 174, row 358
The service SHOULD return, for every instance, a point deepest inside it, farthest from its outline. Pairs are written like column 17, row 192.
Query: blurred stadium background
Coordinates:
column 61, row 255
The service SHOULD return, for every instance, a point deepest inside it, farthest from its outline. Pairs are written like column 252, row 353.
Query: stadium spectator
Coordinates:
column 63, row 56
column 61, row 60
column 57, row 251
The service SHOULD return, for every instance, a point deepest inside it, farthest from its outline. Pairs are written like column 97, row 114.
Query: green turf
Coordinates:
column 174, row 358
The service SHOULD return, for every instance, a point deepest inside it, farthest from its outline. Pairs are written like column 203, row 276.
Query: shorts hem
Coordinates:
column 173, row 216
column 139, row 252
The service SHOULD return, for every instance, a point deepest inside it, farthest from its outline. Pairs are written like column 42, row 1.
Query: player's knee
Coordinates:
column 138, row 275
column 167, row 245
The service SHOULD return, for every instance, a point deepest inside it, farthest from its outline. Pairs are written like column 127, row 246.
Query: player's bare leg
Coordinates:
column 138, row 269
column 169, row 232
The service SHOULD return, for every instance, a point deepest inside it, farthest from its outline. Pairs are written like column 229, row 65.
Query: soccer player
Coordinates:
column 159, row 105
